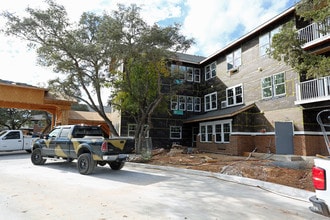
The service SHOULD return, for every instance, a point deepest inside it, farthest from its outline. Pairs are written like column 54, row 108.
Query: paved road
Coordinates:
column 57, row 191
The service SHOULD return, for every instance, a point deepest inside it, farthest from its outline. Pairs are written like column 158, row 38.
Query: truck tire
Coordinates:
column 85, row 164
column 36, row 157
column 115, row 165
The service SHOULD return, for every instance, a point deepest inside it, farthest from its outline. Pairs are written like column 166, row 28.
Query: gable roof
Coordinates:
column 220, row 114
column 188, row 58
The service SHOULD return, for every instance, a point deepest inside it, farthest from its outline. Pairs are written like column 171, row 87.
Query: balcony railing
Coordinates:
column 315, row 32
column 315, row 90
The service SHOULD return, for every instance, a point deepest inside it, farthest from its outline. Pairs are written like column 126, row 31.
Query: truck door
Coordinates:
column 11, row 141
column 62, row 145
column 50, row 142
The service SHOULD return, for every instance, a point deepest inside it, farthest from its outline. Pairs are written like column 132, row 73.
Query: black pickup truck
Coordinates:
column 85, row 143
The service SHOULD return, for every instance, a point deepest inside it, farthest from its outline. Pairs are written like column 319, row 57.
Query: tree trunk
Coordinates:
column 113, row 131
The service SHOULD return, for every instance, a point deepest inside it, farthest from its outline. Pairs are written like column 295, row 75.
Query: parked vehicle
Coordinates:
column 14, row 140
column 321, row 171
column 85, row 143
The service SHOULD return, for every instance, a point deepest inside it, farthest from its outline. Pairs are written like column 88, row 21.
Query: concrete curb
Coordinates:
column 282, row 190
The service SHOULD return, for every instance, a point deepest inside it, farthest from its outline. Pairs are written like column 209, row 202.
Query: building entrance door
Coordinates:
column 284, row 137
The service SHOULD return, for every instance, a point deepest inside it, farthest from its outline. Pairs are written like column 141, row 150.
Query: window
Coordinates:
column 175, row 132
column 182, row 103
column 197, row 104
column 210, row 101
column 206, row 133
column 234, row 59
column 182, row 73
column 221, row 131
column 65, row 132
column 185, row 103
column 234, row 95
column 55, row 132
column 190, row 103
column 197, row 75
column 210, row 71
column 178, row 72
column 131, row 128
column 265, row 41
column 273, row 86
column 13, row 135
column 190, row 74
column 174, row 102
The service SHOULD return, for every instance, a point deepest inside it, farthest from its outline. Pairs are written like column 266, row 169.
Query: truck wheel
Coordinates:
column 36, row 157
column 116, row 165
column 85, row 164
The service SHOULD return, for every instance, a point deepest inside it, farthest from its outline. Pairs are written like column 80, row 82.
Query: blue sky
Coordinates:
column 212, row 23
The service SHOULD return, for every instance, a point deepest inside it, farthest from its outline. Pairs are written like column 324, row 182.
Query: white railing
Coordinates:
column 313, row 90
column 314, row 31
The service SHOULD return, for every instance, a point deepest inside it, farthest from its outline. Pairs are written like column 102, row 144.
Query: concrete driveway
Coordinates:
column 57, row 191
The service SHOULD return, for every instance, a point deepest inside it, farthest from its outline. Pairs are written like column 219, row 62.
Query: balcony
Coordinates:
column 316, row 90
column 315, row 34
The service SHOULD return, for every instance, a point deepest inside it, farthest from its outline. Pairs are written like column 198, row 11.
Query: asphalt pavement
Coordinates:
column 56, row 190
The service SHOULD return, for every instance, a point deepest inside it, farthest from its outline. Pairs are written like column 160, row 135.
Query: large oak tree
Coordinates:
column 87, row 53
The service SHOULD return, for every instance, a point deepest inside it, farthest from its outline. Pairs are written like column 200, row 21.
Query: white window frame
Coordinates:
column 175, row 130
column 174, row 102
column 273, row 85
column 190, row 74
column 131, row 129
column 265, row 41
column 234, row 59
column 208, row 132
column 235, row 95
column 211, row 101
column 210, row 71
column 197, row 75
column 182, row 102
column 223, row 135
column 197, row 104
column 190, row 103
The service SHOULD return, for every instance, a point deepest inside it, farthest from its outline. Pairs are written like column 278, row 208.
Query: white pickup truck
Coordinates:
column 321, row 170
column 14, row 140
column 321, row 181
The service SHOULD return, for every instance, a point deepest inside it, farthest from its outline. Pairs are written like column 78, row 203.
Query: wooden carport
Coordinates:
column 22, row 96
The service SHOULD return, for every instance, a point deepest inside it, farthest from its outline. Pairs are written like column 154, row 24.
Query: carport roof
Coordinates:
column 220, row 114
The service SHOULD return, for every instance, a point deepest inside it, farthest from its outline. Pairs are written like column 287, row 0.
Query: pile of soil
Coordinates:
column 290, row 173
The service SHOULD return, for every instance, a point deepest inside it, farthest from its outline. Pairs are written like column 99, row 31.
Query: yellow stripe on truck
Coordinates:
column 118, row 143
column 59, row 152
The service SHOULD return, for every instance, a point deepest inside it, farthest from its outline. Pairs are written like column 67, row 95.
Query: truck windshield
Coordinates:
column 2, row 132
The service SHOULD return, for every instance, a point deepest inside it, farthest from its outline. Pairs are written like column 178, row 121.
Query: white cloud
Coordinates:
column 213, row 24
column 216, row 23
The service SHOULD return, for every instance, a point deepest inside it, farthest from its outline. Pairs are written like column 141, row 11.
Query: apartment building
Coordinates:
column 241, row 100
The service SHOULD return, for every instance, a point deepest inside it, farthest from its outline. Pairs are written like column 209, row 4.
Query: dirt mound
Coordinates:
column 290, row 173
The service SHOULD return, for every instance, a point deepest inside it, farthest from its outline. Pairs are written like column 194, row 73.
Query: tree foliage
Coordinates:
column 79, row 52
column 87, row 54
column 316, row 10
column 13, row 119
column 288, row 48
column 144, row 52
